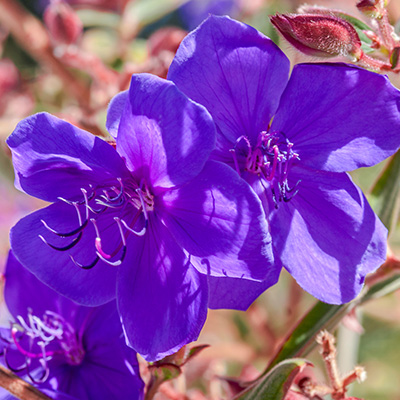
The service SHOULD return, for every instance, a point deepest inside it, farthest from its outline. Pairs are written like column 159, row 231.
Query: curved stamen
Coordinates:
column 108, row 205
column 274, row 163
column 81, row 225
column 90, row 197
column 107, row 198
column 101, row 253
column 44, row 377
column 28, row 353
column 140, row 233
column 64, row 248
column 9, row 366
column 88, row 266
column 233, row 151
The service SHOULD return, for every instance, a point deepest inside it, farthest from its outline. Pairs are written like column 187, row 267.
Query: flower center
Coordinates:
column 43, row 339
column 270, row 159
column 132, row 203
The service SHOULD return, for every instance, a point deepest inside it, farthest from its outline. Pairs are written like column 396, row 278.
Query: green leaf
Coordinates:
column 194, row 351
column 276, row 384
column 301, row 339
column 326, row 316
column 394, row 57
column 165, row 372
column 385, row 194
column 358, row 24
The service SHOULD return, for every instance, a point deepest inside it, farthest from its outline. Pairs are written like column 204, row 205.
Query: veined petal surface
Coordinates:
column 163, row 136
column 235, row 293
column 88, row 287
column 327, row 236
column 162, row 298
column 220, row 223
column 53, row 158
column 236, row 72
column 339, row 117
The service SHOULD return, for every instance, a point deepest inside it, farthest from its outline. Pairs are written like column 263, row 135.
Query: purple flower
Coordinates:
column 152, row 222
column 68, row 351
column 292, row 141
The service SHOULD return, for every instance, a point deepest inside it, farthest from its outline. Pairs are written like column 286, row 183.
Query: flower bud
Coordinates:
column 62, row 23
column 319, row 35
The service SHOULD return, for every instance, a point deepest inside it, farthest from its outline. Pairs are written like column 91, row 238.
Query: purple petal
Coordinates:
column 162, row 299
column 327, row 236
column 54, row 158
column 234, row 293
column 114, row 112
column 219, row 222
column 164, row 136
column 104, row 374
column 237, row 73
column 55, row 268
column 23, row 291
column 339, row 117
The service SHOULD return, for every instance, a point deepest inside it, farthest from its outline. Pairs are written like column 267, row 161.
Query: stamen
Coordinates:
column 9, row 366
column 100, row 252
column 46, row 372
column 140, row 233
column 27, row 353
column 81, row 225
column 89, row 266
column 233, row 151
column 274, row 163
column 106, row 197
column 64, row 248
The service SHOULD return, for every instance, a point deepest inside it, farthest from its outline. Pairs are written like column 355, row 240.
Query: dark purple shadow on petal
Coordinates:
column 339, row 117
column 164, row 137
column 219, row 222
column 161, row 298
column 327, row 236
column 237, row 73
column 53, row 158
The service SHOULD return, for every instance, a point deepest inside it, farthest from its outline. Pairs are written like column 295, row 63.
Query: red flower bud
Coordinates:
column 319, row 35
column 63, row 24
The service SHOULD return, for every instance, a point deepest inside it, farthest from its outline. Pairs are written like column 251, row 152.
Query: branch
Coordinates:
column 18, row 387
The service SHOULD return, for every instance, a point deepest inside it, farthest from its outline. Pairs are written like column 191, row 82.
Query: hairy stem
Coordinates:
column 18, row 387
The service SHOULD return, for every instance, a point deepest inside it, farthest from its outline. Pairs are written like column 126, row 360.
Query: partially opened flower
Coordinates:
column 150, row 221
column 292, row 141
column 66, row 350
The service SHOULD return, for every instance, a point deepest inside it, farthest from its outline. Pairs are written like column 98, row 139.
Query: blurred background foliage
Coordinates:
column 74, row 73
